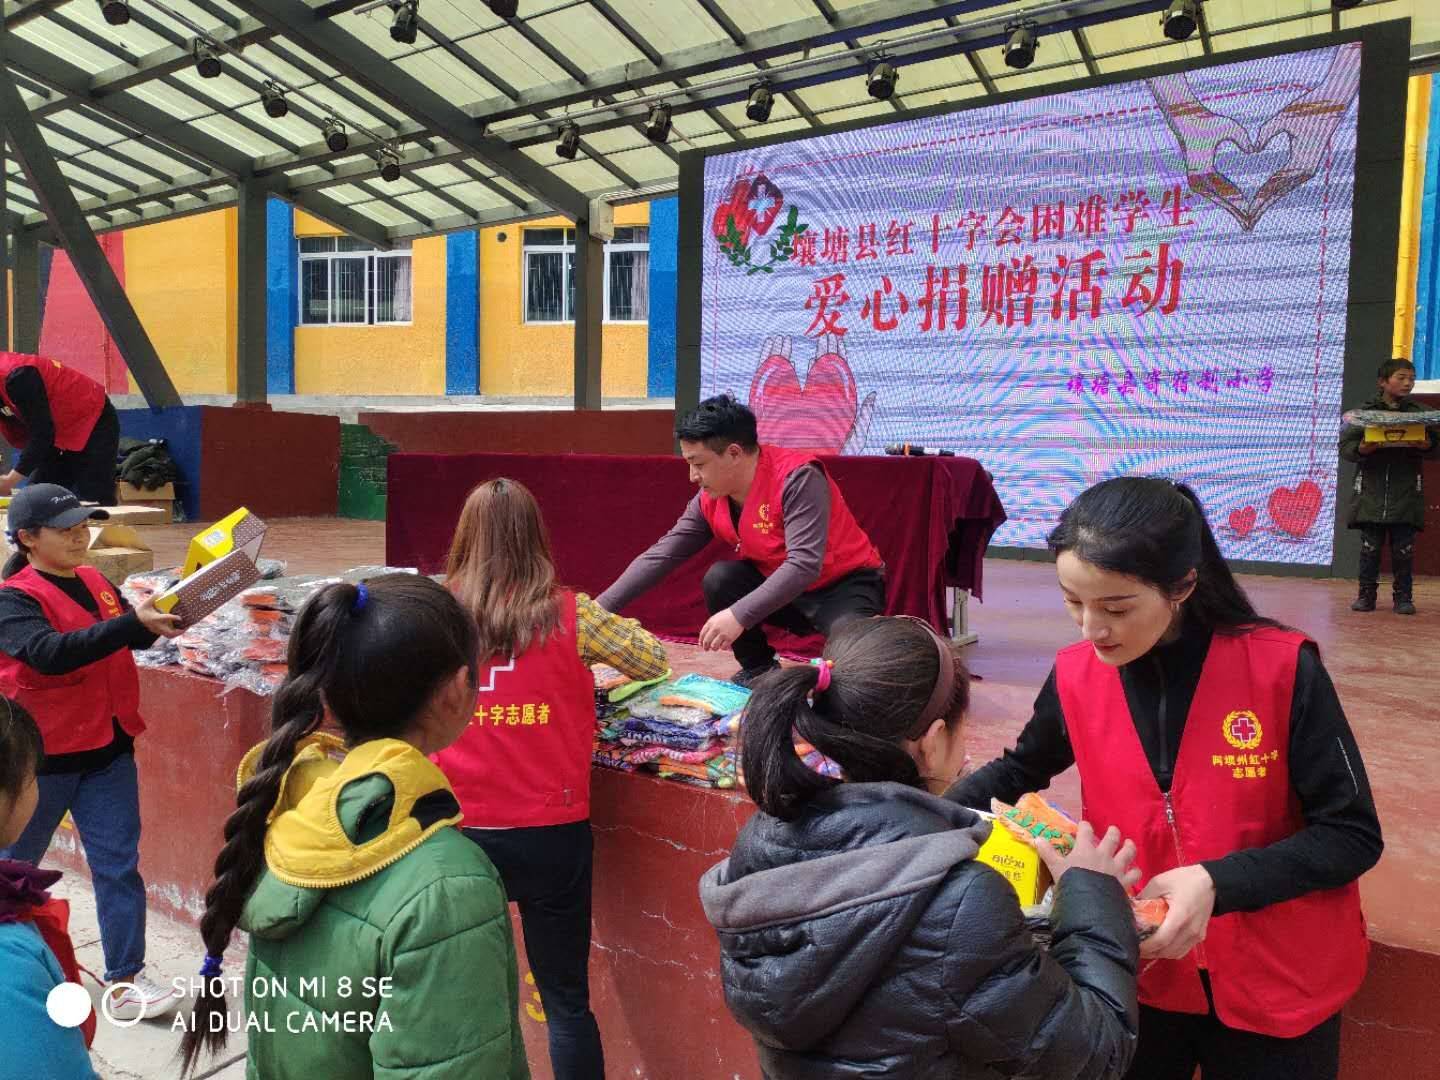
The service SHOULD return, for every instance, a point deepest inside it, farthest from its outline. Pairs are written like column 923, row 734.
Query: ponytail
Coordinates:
column 18, row 560
column 883, row 672
column 1218, row 601
column 372, row 656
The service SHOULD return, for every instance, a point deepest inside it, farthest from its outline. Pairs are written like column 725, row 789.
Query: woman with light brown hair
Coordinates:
column 521, row 769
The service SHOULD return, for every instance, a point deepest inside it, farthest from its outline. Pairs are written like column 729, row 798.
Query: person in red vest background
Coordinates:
column 805, row 564
column 1214, row 738
column 521, row 769
column 65, row 640
column 62, row 423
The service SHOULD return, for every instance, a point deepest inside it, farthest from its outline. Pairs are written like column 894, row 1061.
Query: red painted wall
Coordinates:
column 1427, row 544
column 72, row 331
column 277, row 464
column 628, row 431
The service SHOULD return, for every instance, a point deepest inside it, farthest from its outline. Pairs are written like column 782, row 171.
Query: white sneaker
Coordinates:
column 140, row 997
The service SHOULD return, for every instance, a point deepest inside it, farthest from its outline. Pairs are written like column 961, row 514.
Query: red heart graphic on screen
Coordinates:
column 817, row 416
column 1294, row 511
column 736, row 205
column 1243, row 520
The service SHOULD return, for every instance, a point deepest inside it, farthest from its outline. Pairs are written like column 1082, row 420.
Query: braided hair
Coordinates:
column 371, row 656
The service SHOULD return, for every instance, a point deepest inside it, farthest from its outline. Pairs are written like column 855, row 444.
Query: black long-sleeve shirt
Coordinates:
column 1340, row 839
column 28, row 636
column 26, row 389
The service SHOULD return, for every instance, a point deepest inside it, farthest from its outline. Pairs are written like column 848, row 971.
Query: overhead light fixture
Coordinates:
column 657, row 124
column 207, row 58
column 762, row 100
column 1020, row 48
column 882, row 79
column 406, row 23
column 273, row 95
column 506, row 9
column 1181, row 19
column 569, row 144
column 116, row 12
column 1344, row 5
column 389, row 159
column 335, row 137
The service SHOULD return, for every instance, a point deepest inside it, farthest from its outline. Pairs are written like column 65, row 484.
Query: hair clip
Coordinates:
column 211, row 967
column 362, row 597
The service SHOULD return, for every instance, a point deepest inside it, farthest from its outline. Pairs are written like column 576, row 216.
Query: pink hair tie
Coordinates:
column 822, row 682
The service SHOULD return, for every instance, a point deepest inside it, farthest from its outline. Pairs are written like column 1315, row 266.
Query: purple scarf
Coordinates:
column 22, row 888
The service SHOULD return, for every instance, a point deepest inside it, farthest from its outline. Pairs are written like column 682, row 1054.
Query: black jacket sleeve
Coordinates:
column 26, row 634
column 1042, row 752
column 32, row 404
column 1071, row 1013
column 1341, row 836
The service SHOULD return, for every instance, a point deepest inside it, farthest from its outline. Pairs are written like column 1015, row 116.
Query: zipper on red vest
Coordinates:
column 1180, row 854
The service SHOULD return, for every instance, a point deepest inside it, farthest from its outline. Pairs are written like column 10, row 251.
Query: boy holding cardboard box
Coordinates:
column 1386, row 498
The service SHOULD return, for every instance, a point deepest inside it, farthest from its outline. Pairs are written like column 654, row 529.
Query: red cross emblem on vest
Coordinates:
column 1242, row 729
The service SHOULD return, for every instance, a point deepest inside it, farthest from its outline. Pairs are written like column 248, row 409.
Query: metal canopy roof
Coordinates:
column 473, row 107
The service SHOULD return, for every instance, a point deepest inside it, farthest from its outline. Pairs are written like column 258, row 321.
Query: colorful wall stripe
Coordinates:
column 1417, row 119
column 462, row 313
column 664, row 244
column 1426, row 352
column 280, row 310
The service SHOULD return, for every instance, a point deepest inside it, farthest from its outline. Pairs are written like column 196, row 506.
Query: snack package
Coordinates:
column 1034, row 821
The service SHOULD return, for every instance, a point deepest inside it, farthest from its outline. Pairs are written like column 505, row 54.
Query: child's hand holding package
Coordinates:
column 1062, row 844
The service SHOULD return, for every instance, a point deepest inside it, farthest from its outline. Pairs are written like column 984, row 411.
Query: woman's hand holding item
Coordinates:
column 157, row 621
column 1190, row 892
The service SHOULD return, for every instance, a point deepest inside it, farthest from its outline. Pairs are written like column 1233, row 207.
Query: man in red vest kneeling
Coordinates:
column 62, row 423
column 805, row 564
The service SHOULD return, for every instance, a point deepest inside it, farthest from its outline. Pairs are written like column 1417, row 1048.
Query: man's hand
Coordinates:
column 720, row 631
column 1191, row 895
column 9, row 482
column 1365, row 449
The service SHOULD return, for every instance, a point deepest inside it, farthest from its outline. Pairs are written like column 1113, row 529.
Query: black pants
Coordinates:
column 546, row 872
column 1173, row 1044
column 90, row 471
column 855, row 596
column 1402, row 558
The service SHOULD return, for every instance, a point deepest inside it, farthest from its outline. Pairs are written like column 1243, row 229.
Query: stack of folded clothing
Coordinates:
column 681, row 729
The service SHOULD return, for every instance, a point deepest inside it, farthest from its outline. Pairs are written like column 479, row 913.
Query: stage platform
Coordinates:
column 653, row 951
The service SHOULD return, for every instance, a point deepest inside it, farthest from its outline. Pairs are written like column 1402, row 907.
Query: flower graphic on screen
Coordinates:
column 750, row 210
column 1283, row 155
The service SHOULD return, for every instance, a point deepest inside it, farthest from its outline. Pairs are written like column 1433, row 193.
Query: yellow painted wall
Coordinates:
column 180, row 276
column 379, row 360
column 517, row 359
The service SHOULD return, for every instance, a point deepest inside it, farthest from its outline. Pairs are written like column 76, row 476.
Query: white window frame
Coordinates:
column 370, row 255
column 568, row 248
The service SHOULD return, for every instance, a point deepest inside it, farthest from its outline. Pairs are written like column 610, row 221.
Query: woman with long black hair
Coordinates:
column 1214, row 738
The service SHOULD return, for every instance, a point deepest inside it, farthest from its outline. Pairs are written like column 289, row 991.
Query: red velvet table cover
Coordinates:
column 930, row 517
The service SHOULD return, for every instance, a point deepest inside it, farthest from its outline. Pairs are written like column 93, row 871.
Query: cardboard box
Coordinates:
column 221, row 564
column 161, row 498
column 1016, row 861
column 118, row 551
column 136, row 514
column 1397, row 435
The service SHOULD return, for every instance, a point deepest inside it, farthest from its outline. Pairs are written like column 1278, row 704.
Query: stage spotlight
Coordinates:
column 1181, row 19
column 882, row 80
column 389, row 159
column 569, row 144
column 207, row 59
column 760, row 103
column 335, row 137
column 407, row 22
column 1020, row 49
column 506, row 9
column 116, row 12
column 273, row 95
column 1344, row 5
column 657, row 124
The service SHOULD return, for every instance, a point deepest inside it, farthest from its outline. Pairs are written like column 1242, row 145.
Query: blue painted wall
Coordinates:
column 664, row 246
column 180, row 428
column 462, row 313
column 281, row 281
column 1427, row 288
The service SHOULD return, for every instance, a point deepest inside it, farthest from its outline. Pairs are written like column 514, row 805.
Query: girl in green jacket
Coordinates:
column 381, row 947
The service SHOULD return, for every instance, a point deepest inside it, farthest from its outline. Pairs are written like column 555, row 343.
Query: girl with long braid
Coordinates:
column 387, row 916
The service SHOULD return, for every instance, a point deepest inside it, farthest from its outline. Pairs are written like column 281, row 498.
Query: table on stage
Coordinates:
column 930, row 517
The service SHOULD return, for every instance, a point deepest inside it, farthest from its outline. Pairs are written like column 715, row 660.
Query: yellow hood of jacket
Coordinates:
column 306, row 843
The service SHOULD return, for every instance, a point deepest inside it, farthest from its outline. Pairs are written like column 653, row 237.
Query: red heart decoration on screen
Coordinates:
column 1294, row 511
column 817, row 416
column 1243, row 520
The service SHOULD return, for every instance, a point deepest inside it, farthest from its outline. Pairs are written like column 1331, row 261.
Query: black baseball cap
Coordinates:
column 42, row 506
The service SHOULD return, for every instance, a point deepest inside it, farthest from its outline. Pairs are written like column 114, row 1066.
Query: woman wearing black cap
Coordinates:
column 65, row 640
